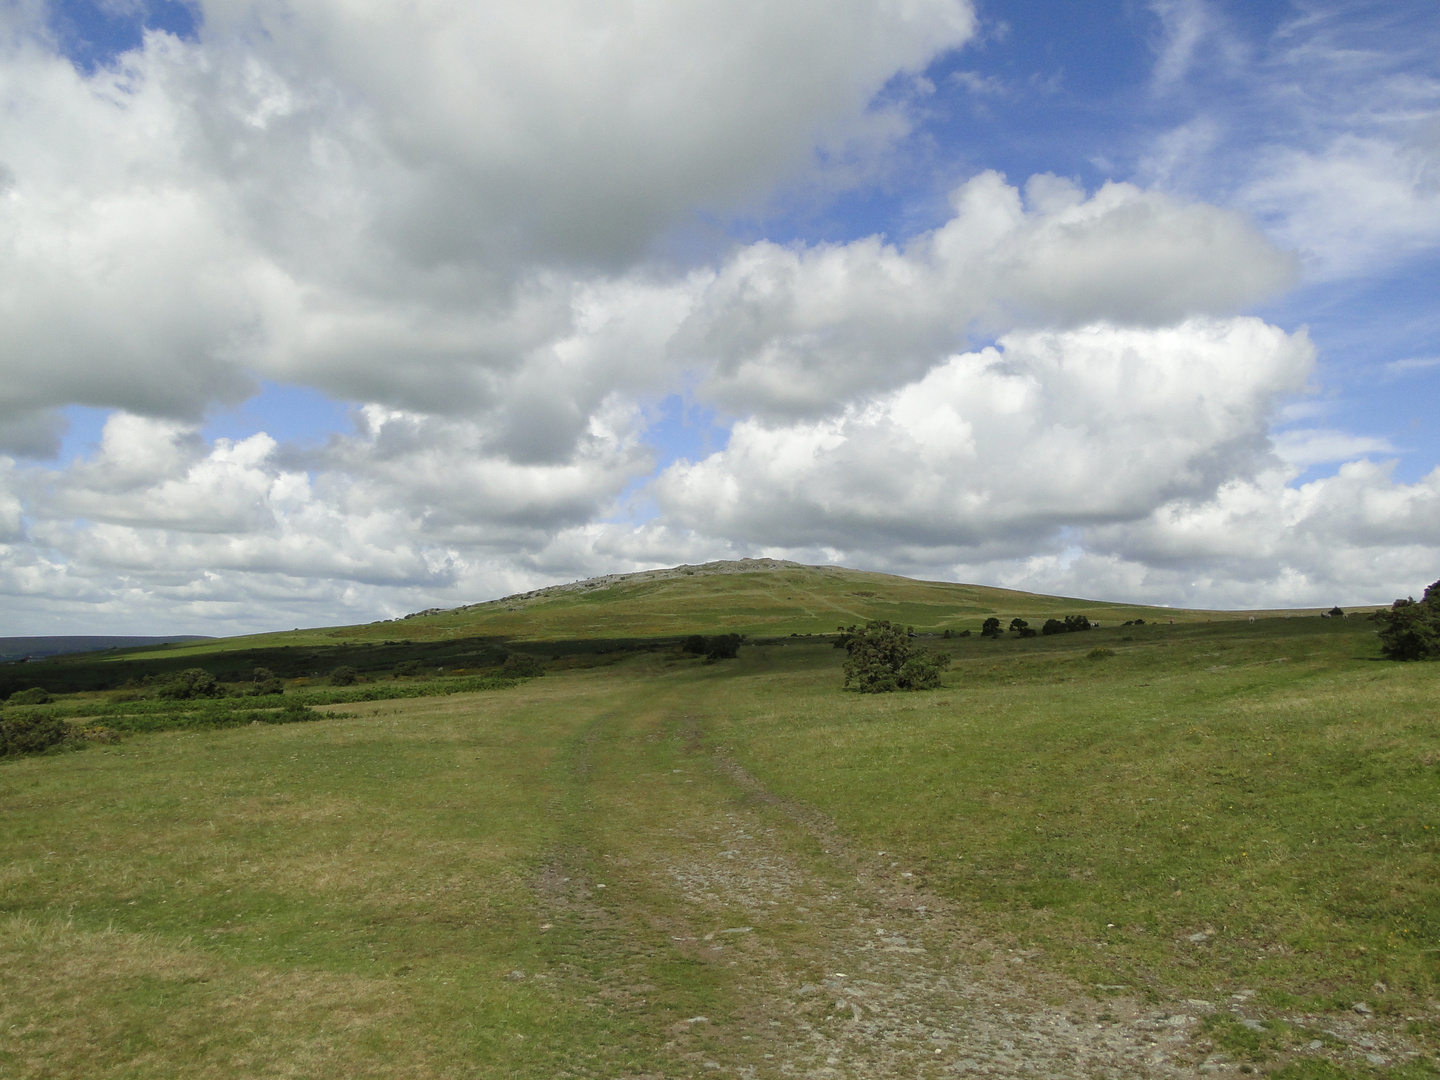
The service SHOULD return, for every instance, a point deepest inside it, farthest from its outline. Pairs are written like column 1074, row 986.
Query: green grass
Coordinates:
column 351, row 897
column 1272, row 786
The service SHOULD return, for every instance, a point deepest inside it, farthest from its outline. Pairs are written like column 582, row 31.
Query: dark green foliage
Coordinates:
column 407, row 667
column 882, row 658
column 267, row 682
column 187, row 685
column 1019, row 625
column 1335, row 612
column 948, row 633
column 31, row 733
column 1410, row 630
column 990, row 628
column 722, row 647
column 344, row 675
column 36, row 695
column 694, row 644
column 522, row 666
column 1071, row 624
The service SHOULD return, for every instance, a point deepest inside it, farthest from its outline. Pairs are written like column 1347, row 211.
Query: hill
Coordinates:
column 757, row 597
column 19, row 648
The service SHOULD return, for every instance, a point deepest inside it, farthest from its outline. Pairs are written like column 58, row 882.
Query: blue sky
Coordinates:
column 592, row 327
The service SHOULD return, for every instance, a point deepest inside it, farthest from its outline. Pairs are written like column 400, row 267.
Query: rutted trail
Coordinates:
column 831, row 964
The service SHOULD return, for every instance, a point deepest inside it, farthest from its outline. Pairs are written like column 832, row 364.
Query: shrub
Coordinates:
column 522, row 665
column 694, row 645
column 406, row 667
column 267, row 682
column 1410, row 630
column 722, row 647
column 1019, row 625
column 1099, row 654
column 990, row 628
column 186, row 685
column 344, row 675
column 36, row 695
column 881, row 658
column 31, row 733
column 1054, row 626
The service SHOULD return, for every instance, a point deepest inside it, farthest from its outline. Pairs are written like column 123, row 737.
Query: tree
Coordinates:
column 1019, row 625
column 188, row 684
column 344, row 675
column 990, row 628
column 722, row 647
column 882, row 658
column 1410, row 630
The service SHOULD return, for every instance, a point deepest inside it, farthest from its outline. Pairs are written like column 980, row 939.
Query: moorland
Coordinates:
column 543, row 837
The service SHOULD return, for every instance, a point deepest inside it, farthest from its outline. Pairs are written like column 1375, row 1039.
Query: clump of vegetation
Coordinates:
column 267, row 682
column 1410, row 630
column 187, row 685
column 1071, row 624
column 882, row 658
column 522, row 666
column 407, row 667
column 36, row 695
column 718, row 647
column 990, row 628
column 344, row 675
column 31, row 732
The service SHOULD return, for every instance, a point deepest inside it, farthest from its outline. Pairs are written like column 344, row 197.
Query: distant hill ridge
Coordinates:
column 20, row 648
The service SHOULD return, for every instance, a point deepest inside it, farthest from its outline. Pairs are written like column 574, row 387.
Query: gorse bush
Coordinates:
column 522, row 666
column 882, row 658
column 1410, row 630
column 344, row 675
column 31, row 733
column 718, row 647
column 187, row 685
column 36, row 695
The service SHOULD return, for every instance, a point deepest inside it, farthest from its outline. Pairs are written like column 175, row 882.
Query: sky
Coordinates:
column 315, row 312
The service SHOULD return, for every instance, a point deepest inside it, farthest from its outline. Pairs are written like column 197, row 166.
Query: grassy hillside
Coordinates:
column 761, row 597
column 1130, row 852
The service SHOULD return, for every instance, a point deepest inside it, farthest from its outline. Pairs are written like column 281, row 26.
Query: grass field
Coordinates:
column 1139, row 851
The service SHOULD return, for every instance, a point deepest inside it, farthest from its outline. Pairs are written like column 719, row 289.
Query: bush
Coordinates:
column 522, row 666
column 694, row 645
column 344, row 675
column 36, row 695
column 1410, row 630
column 1019, row 625
column 407, row 667
column 31, row 733
column 267, row 682
column 722, row 647
column 187, row 685
column 881, row 658
column 1071, row 624
column 990, row 628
